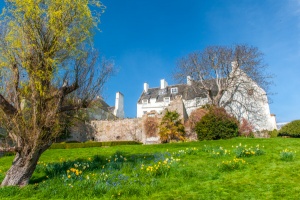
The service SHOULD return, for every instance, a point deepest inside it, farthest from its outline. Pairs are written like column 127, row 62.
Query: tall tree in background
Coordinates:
column 47, row 67
column 231, row 77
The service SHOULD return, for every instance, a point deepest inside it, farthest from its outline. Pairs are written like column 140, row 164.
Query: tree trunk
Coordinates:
column 22, row 168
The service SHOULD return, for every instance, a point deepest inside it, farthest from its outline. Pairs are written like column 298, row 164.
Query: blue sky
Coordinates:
column 145, row 38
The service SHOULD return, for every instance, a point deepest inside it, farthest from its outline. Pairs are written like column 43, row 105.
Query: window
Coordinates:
column 174, row 90
column 167, row 99
column 250, row 92
column 144, row 101
column 162, row 91
column 198, row 101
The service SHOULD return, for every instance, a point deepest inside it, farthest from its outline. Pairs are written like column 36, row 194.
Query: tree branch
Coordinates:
column 7, row 107
column 7, row 149
column 73, row 107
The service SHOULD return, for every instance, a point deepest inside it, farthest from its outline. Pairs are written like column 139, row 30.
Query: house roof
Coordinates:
column 100, row 103
column 187, row 92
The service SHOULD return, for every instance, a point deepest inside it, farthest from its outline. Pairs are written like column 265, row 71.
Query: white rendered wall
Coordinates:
column 253, row 108
column 191, row 105
column 156, row 106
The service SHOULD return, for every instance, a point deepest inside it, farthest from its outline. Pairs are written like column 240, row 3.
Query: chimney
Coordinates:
column 119, row 105
column 188, row 80
column 146, row 87
column 163, row 84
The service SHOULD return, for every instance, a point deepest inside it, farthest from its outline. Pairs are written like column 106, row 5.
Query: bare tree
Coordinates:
column 47, row 67
column 230, row 77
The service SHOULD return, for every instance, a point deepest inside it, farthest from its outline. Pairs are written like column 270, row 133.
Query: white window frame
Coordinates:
column 174, row 90
column 167, row 99
column 144, row 101
column 151, row 115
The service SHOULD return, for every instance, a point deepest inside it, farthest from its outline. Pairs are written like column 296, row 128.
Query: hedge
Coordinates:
column 291, row 129
column 89, row 144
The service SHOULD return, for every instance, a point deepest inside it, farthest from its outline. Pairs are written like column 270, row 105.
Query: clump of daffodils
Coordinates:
column 219, row 151
column 160, row 167
column 236, row 163
column 244, row 151
column 287, row 155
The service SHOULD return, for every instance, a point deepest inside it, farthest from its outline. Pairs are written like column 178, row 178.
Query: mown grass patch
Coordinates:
column 195, row 170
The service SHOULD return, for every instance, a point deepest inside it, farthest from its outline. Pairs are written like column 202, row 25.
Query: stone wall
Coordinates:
column 126, row 129
column 122, row 130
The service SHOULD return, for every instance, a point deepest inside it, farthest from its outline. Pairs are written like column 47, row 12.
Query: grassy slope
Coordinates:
column 194, row 177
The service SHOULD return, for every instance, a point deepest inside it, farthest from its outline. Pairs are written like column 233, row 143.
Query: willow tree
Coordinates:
column 47, row 67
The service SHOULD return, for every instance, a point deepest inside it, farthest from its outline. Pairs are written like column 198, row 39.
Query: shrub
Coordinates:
column 171, row 127
column 245, row 128
column 291, row 129
column 274, row 133
column 216, row 124
column 195, row 117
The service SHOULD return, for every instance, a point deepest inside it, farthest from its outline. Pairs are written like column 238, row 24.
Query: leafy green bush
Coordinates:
column 274, row 133
column 291, row 129
column 217, row 124
column 171, row 127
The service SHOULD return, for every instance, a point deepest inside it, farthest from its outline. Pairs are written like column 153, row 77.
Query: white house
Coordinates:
column 159, row 98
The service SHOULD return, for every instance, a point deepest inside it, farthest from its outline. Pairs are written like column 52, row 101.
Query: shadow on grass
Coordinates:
column 45, row 171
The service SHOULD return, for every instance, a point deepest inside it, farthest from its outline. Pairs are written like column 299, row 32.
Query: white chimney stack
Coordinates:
column 188, row 80
column 119, row 105
column 146, row 87
column 163, row 84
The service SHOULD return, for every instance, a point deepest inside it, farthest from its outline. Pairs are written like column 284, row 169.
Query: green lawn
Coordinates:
column 195, row 170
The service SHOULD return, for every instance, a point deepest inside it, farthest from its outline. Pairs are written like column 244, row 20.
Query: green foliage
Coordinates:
column 216, row 124
column 244, row 151
column 291, row 129
column 274, row 133
column 171, row 127
column 107, row 175
column 89, row 144
column 287, row 155
column 219, row 152
column 235, row 164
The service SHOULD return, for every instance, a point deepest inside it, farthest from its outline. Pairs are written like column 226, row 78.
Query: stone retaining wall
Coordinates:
column 122, row 130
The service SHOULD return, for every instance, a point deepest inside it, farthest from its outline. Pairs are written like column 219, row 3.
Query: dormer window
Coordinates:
column 145, row 101
column 174, row 90
column 167, row 99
